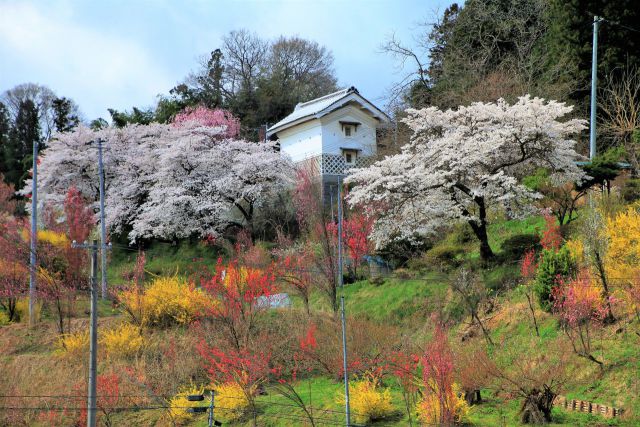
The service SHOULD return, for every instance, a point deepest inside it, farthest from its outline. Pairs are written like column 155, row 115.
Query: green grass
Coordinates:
column 499, row 231
column 185, row 257
column 395, row 301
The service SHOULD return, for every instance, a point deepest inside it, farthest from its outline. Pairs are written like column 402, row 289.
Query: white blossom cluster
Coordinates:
column 165, row 181
column 460, row 163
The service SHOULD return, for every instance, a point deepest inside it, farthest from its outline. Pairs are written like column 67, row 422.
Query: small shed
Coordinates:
column 377, row 266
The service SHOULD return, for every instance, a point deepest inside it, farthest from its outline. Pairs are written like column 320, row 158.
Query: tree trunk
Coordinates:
column 487, row 337
column 533, row 313
column 480, row 230
column 472, row 397
column 610, row 318
column 536, row 408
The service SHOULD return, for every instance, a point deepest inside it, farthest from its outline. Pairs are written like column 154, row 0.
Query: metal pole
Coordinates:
column 594, row 84
column 34, row 236
column 93, row 332
column 103, row 228
column 344, row 362
column 211, row 411
column 342, row 312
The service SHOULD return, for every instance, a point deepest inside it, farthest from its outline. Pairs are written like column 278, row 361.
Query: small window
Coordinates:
column 350, row 156
column 347, row 131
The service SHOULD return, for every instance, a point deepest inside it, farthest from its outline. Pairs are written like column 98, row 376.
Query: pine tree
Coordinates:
column 25, row 131
column 65, row 117
column 5, row 127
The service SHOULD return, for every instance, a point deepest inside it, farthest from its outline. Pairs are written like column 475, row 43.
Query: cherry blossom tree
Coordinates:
column 462, row 163
column 212, row 118
column 166, row 181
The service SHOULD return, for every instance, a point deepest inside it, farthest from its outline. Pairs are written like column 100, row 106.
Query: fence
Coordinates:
column 588, row 407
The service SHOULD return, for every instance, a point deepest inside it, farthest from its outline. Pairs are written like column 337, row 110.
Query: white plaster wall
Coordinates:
column 302, row 141
column 364, row 137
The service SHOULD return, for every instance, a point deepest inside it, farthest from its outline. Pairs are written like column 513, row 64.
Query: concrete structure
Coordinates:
column 334, row 133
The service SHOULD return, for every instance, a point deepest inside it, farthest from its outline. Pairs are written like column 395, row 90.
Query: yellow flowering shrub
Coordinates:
column 576, row 249
column 22, row 310
column 4, row 318
column 179, row 404
column 623, row 255
column 73, row 345
column 167, row 301
column 369, row 401
column 622, row 259
column 53, row 238
column 122, row 342
column 232, row 401
column 430, row 411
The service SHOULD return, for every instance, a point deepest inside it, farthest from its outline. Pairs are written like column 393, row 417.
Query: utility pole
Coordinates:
column 342, row 313
column 93, row 331
column 211, row 410
column 34, row 236
column 103, row 228
column 594, row 84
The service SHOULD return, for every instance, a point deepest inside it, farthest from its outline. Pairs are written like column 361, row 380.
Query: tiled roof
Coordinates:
column 312, row 108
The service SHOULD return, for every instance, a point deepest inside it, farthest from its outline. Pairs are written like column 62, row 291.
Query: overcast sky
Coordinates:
column 122, row 53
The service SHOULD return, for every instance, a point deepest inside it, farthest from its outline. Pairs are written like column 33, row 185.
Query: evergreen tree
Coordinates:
column 65, row 117
column 136, row 116
column 5, row 127
column 25, row 131
column 211, row 81
column 570, row 36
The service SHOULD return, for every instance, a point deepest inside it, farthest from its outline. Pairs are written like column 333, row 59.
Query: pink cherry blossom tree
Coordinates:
column 210, row 118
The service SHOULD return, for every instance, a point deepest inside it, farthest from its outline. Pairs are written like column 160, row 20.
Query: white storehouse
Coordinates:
column 336, row 132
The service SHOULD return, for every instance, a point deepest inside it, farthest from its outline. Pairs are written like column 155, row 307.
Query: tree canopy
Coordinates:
column 462, row 163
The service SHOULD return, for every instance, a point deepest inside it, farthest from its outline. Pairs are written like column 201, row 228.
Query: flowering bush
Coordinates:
column 22, row 310
column 73, row 345
column 580, row 306
column 431, row 408
column 4, row 318
column 122, row 342
column 53, row 238
column 167, row 301
column 179, row 404
column 232, row 400
column 369, row 402
column 576, row 249
column 441, row 403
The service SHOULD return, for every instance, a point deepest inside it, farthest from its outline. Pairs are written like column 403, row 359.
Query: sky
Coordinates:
column 123, row 53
